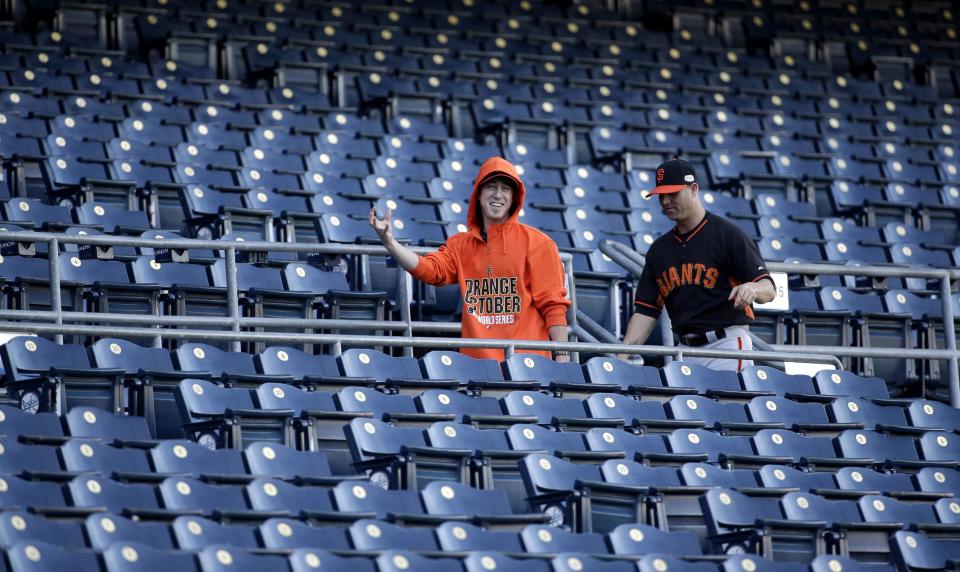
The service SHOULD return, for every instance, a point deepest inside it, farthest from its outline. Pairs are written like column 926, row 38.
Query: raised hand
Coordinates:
column 382, row 226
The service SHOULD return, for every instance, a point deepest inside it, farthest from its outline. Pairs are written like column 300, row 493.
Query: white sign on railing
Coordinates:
column 781, row 300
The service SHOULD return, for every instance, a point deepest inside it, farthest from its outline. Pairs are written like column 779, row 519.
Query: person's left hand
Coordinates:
column 562, row 358
column 743, row 295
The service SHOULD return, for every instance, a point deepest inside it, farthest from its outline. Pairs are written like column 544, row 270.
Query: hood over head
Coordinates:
column 495, row 167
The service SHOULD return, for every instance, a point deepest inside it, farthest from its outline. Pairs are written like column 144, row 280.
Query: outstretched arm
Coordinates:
column 407, row 259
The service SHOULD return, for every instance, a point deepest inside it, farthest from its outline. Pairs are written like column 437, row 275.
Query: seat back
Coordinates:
column 93, row 423
column 309, row 559
column 545, row 473
column 726, row 510
column 366, row 497
column 369, row 437
column 283, row 396
column 198, row 399
column 105, row 529
column 455, row 365
column 535, row 367
column 17, row 526
column 93, row 456
column 132, row 557
column 180, row 456
column 278, row 461
column 369, row 534
column 26, row 356
column 357, row 362
column 267, row 494
column 93, row 491
column 202, row 357
column 182, row 493
column 130, row 357
column 289, row 533
column 37, row 556
column 450, row 498
column 619, row 372
column 641, row 539
column 463, row 536
column 285, row 360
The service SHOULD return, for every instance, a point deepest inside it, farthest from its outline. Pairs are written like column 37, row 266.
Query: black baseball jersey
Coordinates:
column 693, row 274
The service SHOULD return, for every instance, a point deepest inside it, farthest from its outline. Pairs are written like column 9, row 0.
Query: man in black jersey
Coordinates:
column 706, row 272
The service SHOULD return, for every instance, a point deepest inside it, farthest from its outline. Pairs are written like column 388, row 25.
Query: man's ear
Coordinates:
column 694, row 189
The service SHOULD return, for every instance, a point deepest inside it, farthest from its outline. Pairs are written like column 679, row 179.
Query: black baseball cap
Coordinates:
column 673, row 176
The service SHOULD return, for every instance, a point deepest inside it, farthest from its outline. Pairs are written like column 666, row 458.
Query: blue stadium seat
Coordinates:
column 45, row 376
column 117, row 497
column 463, row 536
column 371, row 501
column 761, row 523
column 280, row 498
column 306, row 559
column 720, row 384
column 96, row 457
column 223, row 558
column 479, row 410
column 573, row 561
column 182, row 457
column 369, row 534
column 287, row 533
column 107, row 529
column 487, row 507
column 17, row 526
column 730, row 418
column 130, row 557
column 194, row 533
column 229, row 417
column 39, row 556
column 93, row 423
column 639, row 540
column 550, row 540
column 557, row 487
column 14, row 421
column 477, row 561
column 402, row 457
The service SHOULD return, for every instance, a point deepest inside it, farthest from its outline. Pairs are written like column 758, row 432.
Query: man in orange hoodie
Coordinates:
column 510, row 274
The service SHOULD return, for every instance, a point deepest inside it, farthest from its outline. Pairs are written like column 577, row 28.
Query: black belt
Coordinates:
column 697, row 340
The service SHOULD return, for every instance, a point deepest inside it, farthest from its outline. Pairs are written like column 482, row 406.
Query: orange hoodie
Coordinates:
column 512, row 284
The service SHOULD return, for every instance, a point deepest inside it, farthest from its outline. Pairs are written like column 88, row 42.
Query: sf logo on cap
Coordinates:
column 660, row 175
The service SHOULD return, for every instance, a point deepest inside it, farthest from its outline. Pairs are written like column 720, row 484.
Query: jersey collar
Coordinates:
column 687, row 237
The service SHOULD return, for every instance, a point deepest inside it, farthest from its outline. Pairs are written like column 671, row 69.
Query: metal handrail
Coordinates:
column 509, row 346
column 632, row 261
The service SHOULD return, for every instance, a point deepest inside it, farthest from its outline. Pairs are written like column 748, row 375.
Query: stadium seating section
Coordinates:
column 828, row 130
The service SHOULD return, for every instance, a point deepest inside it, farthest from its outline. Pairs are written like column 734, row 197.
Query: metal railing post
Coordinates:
column 567, row 261
column 666, row 334
column 405, row 294
column 950, row 338
column 56, row 301
column 233, row 299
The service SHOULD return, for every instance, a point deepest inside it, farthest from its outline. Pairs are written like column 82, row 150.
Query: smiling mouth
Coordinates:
column 496, row 205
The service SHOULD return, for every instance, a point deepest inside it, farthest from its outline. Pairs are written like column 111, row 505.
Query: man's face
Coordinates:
column 679, row 205
column 496, row 198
